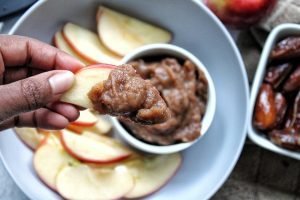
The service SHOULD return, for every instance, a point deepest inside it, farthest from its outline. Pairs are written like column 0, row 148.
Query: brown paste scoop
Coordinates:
column 126, row 94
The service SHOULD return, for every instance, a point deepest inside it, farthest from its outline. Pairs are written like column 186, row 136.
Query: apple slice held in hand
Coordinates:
column 84, row 182
column 87, row 44
column 85, row 79
column 118, row 91
column 152, row 172
column 122, row 34
column 48, row 160
column 90, row 150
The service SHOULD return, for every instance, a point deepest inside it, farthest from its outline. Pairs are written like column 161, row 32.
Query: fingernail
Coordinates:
column 61, row 82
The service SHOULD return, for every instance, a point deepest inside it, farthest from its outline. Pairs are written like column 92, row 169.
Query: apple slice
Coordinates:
column 104, row 139
column 46, row 132
column 101, row 127
column 30, row 137
column 85, row 79
column 92, row 151
column 76, row 129
column 48, row 160
column 122, row 34
column 152, row 172
column 86, row 118
column 61, row 43
column 87, row 44
column 84, row 182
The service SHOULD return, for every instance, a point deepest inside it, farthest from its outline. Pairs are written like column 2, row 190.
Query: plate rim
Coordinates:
column 247, row 93
column 243, row 133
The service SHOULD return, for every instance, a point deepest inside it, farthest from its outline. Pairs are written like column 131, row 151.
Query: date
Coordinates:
column 281, row 108
column 288, row 48
column 293, row 120
column 265, row 109
column 276, row 74
column 286, row 138
column 293, row 82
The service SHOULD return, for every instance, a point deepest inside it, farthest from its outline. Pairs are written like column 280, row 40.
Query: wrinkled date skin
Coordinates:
column 293, row 82
column 288, row 48
column 281, row 107
column 293, row 119
column 276, row 74
column 265, row 109
column 287, row 138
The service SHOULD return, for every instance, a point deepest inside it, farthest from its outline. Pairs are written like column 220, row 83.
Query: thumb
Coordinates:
column 33, row 92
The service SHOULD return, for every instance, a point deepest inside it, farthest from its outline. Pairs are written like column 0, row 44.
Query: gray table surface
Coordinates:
column 259, row 174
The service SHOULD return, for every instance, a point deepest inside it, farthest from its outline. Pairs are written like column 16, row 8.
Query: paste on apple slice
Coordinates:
column 126, row 94
column 117, row 91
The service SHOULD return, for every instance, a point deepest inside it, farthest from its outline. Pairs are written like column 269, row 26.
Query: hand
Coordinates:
column 33, row 75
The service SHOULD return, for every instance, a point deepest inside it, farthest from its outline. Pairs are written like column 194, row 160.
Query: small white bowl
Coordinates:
column 257, row 137
column 177, row 52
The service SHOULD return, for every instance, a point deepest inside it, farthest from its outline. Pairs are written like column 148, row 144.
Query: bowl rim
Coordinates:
column 255, row 136
column 174, row 51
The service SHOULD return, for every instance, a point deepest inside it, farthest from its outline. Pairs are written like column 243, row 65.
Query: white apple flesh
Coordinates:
column 86, row 119
column 152, row 173
column 101, row 127
column 48, row 160
column 30, row 137
column 85, row 79
column 90, row 150
column 87, row 44
column 84, row 182
column 61, row 43
column 122, row 34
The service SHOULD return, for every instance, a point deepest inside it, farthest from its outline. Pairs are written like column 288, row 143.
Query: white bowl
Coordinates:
column 177, row 52
column 208, row 163
column 257, row 137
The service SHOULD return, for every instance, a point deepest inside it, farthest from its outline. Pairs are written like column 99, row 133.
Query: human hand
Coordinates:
column 33, row 76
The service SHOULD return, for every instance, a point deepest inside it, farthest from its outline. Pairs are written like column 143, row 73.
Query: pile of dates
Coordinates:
column 277, row 108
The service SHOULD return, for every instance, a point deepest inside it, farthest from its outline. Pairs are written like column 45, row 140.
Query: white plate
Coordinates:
column 209, row 162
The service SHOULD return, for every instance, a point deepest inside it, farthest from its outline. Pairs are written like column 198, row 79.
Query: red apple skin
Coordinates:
column 78, row 52
column 31, row 147
column 75, row 128
column 52, row 187
column 86, row 160
column 84, row 124
column 54, row 42
column 241, row 14
column 44, row 142
column 88, row 59
column 159, row 188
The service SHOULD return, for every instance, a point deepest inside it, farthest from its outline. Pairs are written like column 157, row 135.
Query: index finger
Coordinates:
column 19, row 51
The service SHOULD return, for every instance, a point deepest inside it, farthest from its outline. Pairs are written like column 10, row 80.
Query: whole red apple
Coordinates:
column 241, row 13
